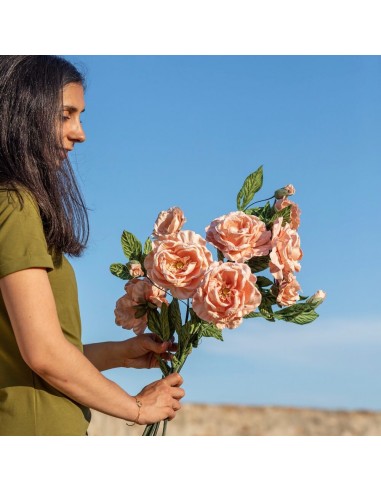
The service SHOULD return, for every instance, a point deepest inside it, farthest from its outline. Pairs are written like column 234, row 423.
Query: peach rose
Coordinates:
column 135, row 269
column 288, row 291
column 168, row 222
column 286, row 251
column 178, row 263
column 226, row 294
column 139, row 291
column 295, row 211
column 239, row 236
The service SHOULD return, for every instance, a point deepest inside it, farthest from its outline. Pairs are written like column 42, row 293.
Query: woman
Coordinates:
column 48, row 379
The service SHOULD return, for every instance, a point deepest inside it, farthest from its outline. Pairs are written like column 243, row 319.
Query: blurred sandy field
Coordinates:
column 231, row 420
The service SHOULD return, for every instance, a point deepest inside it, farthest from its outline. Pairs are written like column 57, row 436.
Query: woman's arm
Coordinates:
column 31, row 307
column 105, row 355
column 139, row 352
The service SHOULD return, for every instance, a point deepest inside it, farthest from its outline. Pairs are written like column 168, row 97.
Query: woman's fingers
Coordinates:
column 154, row 344
column 161, row 399
column 178, row 394
column 174, row 379
column 176, row 405
column 172, row 347
column 157, row 346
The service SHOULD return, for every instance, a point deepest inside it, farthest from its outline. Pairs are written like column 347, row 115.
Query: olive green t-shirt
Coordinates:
column 29, row 406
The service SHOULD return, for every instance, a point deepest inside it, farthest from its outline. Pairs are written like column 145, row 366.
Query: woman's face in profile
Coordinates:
column 73, row 104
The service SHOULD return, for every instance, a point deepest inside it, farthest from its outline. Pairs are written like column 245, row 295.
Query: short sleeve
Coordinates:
column 22, row 239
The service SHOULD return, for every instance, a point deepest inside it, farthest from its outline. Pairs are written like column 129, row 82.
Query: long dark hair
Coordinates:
column 31, row 149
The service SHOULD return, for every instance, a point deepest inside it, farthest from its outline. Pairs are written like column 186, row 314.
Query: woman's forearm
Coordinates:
column 68, row 369
column 48, row 353
column 105, row 355
column 72, row 373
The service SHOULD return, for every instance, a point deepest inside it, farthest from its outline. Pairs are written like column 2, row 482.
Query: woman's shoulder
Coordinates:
column 17, row 199
column 22, row 238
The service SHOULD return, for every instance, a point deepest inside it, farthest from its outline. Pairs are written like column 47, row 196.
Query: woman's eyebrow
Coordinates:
column 72, row 109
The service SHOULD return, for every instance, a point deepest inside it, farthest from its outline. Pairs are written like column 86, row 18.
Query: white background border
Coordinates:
column 199, row 27
column 218, row 27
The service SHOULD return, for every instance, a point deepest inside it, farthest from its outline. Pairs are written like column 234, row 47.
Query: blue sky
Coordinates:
column 186, row 131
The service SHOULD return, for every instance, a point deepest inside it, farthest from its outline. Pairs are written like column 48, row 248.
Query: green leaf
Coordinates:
column 220, row 256
column 254, row 211
column 265, row 213
column 259, row 263
column 301, row 314
column 194, row 317
column 120, row 271
column 298, row 313
column 184, row 342
column 176, row 361
column 263, row 282
column 164, row 322
column 304, row 318
column 251, row 185
column 154, row 322
column 132, row 247
column 184, row 336
column 210, row 330
column 195, row 340
column 174, row 317
column 285, row 213
column 194, row 328
column 140, row 310
column 196, row 334
column 292, row 311
column 266, row 310
column 184, row 356
column 147, row 246
column 165, row 369
column 253, row 315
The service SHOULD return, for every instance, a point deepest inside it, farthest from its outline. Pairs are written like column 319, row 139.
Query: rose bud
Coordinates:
column 168, row 222
column 285, row 191
column 135, row 269
column 317, row 298
column 131, row 309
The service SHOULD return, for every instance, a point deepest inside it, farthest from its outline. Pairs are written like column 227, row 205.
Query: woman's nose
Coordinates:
column 77, row 134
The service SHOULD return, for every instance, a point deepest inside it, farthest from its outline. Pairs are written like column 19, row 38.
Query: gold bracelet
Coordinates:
column 139, row 404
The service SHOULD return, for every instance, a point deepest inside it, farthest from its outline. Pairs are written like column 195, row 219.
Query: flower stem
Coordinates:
column 167, row 292
column 259, row 201
column 187, row 313
column 152, row 429
column 165, row 427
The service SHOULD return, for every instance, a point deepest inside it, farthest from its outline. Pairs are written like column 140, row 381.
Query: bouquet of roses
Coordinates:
column 175, row 266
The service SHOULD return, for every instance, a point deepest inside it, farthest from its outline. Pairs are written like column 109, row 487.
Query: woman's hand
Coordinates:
column 160, row 400
column 140, row 352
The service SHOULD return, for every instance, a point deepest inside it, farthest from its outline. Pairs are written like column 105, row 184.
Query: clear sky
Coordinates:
column 186, row 131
